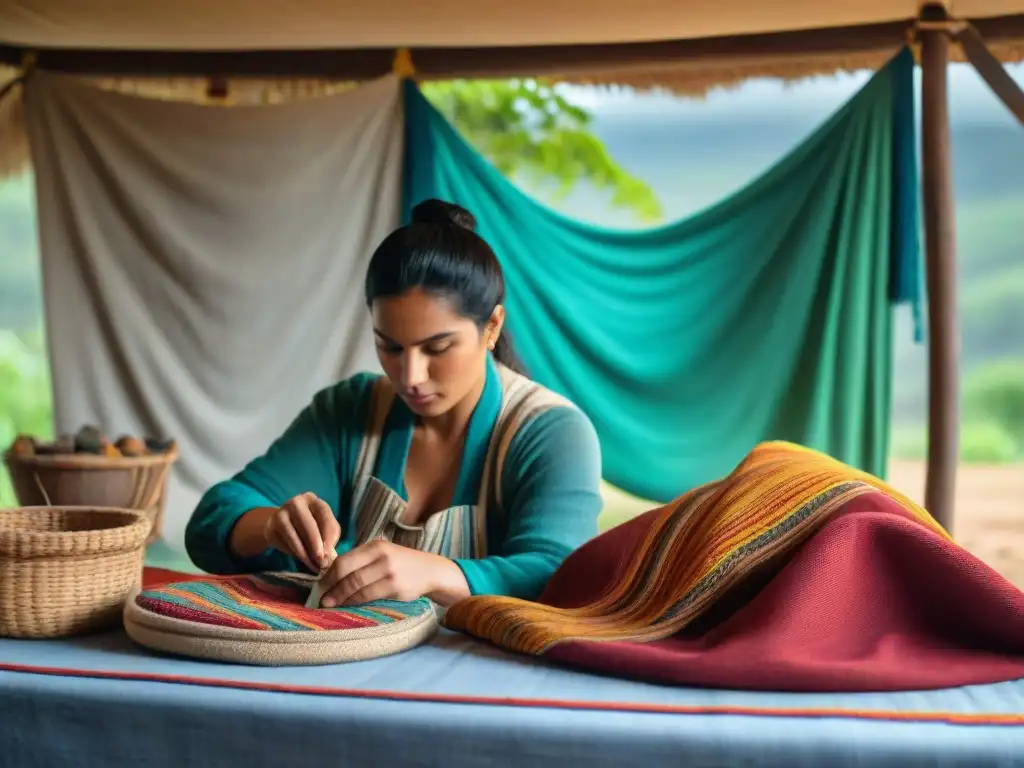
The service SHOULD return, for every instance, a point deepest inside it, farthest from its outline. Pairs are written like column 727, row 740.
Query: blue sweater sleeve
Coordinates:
column 551, row 493
column 313, row 455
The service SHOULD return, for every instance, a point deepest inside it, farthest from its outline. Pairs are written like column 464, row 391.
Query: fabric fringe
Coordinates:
column 14, row 148
column 699, row 78
column 691, row 78
column 238, row 92
column 695, row 550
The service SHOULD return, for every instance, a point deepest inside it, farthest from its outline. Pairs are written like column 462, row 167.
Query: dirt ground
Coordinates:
column 989, row 511
column 989, row 514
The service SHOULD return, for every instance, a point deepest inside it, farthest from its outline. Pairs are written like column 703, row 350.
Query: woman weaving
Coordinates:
column 451, row 475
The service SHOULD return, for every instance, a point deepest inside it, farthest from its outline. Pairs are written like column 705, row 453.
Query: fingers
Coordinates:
column 281, row 534
column 327, row 524
column 305, row 527
column 350, row 563
column 371, row 582
column 301, row 516
column 382, row 589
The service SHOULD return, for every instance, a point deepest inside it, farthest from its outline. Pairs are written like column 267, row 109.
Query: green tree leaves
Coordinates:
column 531, row 131
column 25, row 406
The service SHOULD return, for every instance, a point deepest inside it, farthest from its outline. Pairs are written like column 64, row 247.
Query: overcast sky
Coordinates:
column 971, row 101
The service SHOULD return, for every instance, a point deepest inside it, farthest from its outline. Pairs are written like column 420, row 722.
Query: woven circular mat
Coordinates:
column 261, row 620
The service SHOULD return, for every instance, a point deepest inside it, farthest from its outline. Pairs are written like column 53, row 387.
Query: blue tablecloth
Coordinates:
column 476, row 706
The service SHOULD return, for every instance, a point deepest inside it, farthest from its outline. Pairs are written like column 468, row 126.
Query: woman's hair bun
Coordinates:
column 436, row 211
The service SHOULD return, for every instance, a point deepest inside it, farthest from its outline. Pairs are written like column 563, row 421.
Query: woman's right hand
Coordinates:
column 306, row 528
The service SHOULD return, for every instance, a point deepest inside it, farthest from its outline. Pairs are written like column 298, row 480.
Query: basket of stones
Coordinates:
column 68, row 570
column 89, row 470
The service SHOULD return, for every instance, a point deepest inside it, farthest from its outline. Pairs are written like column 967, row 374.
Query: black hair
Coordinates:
column 441, row 253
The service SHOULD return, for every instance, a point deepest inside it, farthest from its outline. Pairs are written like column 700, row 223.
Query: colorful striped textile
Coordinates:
column 270, row 601
column 795, row 572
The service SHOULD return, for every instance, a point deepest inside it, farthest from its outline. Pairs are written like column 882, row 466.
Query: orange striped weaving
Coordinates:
column 694, row 550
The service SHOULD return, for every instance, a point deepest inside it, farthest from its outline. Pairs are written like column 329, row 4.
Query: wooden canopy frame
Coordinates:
column 577, row 62
column 933, row 31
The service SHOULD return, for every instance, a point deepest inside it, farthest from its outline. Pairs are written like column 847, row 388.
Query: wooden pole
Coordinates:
column 940, row 262
column 992, row 71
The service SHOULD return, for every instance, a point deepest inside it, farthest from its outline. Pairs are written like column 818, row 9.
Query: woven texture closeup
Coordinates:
column 67, row 570
column 795, row 572
column 261, row 619
column 268, row 602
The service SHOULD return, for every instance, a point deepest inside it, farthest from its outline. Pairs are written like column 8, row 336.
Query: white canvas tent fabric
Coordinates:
column 203, row 266
column 311, row 24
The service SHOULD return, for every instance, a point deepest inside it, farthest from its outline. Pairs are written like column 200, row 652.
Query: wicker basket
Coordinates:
column 87, row 480
column 68, row 570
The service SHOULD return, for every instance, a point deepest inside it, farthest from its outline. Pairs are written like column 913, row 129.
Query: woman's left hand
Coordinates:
column 381, row 570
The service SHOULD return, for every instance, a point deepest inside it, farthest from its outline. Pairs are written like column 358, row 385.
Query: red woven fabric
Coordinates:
column 872, row 602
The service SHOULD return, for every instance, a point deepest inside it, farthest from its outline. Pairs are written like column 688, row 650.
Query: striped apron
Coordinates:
column 456, row 532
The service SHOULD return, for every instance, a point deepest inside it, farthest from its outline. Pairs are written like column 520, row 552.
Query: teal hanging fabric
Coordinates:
column 767, row 316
